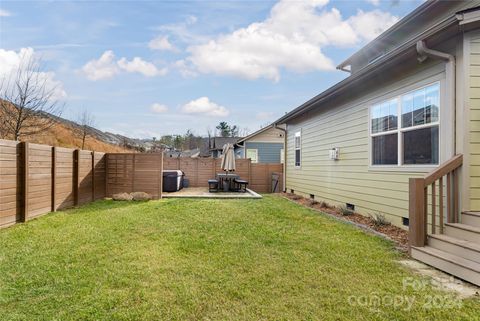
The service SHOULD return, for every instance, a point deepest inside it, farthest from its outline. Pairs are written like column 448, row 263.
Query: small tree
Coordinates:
column 86, row 121
column 27, row 102
column 224, row 129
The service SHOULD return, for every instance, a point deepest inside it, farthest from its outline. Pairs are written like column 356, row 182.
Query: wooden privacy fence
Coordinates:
column 128, row 173
column 37, row 179
column 199, row 170
column 141, row 172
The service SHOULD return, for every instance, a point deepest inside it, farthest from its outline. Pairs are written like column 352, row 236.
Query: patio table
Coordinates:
column 226, row 177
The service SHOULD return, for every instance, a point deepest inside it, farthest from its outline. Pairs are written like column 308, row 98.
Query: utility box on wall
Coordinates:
column 334, row 153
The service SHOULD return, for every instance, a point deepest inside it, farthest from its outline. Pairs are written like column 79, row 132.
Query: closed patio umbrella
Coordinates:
column 228, row 163
column 228, row 159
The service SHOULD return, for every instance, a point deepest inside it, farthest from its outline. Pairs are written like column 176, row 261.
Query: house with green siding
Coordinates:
column 265, row 145
column 400, row 136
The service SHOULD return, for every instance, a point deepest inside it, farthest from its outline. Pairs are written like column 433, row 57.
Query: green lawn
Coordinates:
column 181, row 259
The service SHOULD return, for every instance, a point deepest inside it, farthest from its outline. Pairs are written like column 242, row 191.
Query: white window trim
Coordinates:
column 297, row 134
column 442, row 117
column 256, row 154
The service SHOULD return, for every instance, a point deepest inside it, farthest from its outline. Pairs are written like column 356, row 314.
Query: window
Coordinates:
column 298, row 148
column 253, row 155
column 405, row 129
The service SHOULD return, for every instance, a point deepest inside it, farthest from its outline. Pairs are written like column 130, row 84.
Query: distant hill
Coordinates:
column 66, row 133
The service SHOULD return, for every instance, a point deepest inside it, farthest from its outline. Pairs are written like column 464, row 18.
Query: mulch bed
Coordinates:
column 392, row 232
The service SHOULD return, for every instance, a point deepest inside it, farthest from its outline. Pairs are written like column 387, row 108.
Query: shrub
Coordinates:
column 379, row 219
column 324, row 204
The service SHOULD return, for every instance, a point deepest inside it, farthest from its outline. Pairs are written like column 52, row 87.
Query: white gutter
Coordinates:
column 450, row 74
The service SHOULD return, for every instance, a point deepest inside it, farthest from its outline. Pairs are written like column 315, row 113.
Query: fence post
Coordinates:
column 417, row 215
column 54, row 178
column 106, row 174
column 24, row 217
column 160, row 180
column 133, row 173
column 93, row 176
column 76, row 175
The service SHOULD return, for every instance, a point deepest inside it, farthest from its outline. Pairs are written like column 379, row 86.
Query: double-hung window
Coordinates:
column 298, row 148
column 405, row 129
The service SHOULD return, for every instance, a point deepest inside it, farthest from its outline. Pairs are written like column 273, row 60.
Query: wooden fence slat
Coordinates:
column 93, row 176
column 76, row 176
column 25, row 184
column 54, row 178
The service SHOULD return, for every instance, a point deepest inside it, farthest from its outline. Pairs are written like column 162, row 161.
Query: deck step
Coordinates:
column 467, row 250
column 471, row 218
column 450, row 263
column 463, row 232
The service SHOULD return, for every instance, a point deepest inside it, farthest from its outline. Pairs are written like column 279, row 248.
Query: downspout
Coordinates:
column 450, row 74
column 284, row 180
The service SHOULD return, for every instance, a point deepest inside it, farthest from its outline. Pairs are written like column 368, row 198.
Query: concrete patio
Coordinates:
column 202, row 192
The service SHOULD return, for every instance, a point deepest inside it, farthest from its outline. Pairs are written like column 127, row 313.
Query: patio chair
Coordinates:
column 212, row 185
column 240, row 185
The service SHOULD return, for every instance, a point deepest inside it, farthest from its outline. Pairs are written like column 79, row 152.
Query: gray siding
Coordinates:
column 267, row 152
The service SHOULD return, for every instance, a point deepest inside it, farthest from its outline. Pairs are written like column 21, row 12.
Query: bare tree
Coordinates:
column 28, row 105
column 86, row 121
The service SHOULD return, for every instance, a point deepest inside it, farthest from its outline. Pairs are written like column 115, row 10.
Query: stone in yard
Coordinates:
column 122, row 197
column 141, row 196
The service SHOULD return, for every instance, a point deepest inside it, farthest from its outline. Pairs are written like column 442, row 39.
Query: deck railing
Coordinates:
column 429, row 193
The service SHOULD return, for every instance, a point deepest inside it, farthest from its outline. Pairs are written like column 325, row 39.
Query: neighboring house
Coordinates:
column 410, row 104
column 213, row 146
column 193, row 153
column 265, row 145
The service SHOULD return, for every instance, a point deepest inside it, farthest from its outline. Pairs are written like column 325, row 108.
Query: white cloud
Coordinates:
column 107, row 67
column 374, row 2
column 139, row 65
column 363, row 21
column 5, row 13
column 161, row 43
column 158, row 108
column 11, row 61
column 103, row 68
column 291, row 38
column 203, row 105
column 185, row 69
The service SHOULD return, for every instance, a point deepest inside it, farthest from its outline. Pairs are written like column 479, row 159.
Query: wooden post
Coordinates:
column 440, row 203
column 417, row 226
column 106, row 174
column 24, row 217
column 54, row 179
column 76, row 176
column 455, row 196
column 449, row 198
column 133, row 173
column 434, row 201
column 93, row 176
column 161, row 175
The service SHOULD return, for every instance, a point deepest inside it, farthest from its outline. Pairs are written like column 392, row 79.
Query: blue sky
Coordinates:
column 150, row 68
